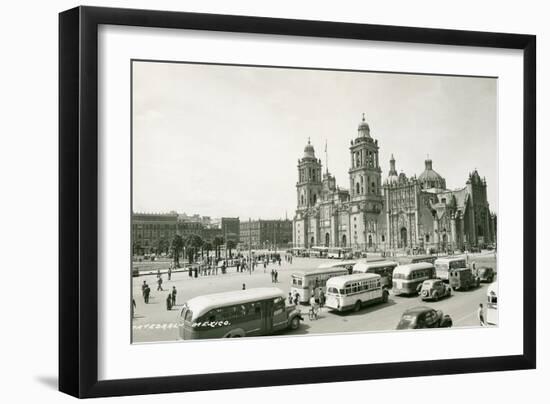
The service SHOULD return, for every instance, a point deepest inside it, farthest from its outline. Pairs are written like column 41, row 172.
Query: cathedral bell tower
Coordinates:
column 309, row 185
column 365, row 191
column 365, row 172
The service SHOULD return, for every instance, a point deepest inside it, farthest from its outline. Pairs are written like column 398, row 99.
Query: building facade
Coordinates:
column 399, row 213
column 266, row 234
column 154, row 232
column 230, row 227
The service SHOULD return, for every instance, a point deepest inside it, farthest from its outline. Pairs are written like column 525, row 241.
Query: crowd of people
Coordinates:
column 214, row 266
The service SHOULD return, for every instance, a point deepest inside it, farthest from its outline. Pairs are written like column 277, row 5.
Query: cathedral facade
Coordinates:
column 399, row 213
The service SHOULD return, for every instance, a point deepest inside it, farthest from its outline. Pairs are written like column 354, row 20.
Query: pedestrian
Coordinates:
column 143, row 286
column 173, row 294
column 170, row 273
column 289, row 298
column 276, row 275
column 169, row 302
column 480, row 315
column 322, row 298
column 272, row 275
column 146, row 293
column 279, row 261
column 296, row 298
column 238, row 266
column 158, row 273
column 159, row 282
column 244, row 286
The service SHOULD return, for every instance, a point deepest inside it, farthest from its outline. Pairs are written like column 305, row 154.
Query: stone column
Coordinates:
column 453, row 231
column 436, row 231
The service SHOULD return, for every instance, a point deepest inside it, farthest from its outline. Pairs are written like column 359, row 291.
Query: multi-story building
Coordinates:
column 266, row 234
column 399, row 213
column 154, row 232
column 230, row 228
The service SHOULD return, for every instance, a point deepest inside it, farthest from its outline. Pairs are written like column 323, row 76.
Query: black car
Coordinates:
column 424, row 317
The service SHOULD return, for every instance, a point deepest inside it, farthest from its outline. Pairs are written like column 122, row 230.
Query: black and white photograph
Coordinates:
column 282, row 202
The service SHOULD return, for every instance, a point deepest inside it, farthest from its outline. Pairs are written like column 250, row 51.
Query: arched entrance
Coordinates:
column 344, row 240
column 370, row 241
column 403, row 233
column 327, row 239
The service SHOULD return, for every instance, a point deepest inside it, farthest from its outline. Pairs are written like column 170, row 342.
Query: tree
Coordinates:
column 207, row 246
column 177, row 246
column 193, row 242
column 230, row 245
column 162, row 245
column 217, row 242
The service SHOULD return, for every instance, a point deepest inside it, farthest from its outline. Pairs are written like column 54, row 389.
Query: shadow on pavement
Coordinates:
column 364, row 310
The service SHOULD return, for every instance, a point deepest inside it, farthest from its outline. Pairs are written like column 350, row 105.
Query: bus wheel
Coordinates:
column 294, row 323
column 357, row 306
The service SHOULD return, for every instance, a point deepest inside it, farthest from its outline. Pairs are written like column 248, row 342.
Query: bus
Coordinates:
column 241, row 313
column 414, row 259
column 304, row 282
column 408, row 278
column 339, row 264
column 318, row 252
column 443, row 265
column 339, row 252
column 492, row 304
column 382, row 268
column 351, row 292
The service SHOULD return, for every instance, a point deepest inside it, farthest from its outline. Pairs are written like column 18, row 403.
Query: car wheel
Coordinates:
column 357, row 306
column 294, row 323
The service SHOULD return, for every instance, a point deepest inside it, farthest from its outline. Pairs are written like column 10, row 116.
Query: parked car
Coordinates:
column 486, row 274
column 463, row 278
column 424, row 317
column 434, row 289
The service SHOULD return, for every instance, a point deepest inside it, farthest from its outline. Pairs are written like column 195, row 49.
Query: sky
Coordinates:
column 225, row 140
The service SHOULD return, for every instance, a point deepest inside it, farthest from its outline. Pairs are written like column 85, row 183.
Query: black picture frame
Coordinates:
column 78, row 200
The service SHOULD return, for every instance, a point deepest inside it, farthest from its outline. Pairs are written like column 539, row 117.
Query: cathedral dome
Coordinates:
column 309, row 151
column 431, row 179
column 363, row 130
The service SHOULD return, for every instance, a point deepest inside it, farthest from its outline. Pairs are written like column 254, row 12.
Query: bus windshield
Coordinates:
column 296, row 280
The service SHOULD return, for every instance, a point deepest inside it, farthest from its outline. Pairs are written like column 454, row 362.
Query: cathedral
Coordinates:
column 399, row 213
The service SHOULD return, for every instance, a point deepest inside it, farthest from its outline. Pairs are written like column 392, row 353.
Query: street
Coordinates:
column 153, row 322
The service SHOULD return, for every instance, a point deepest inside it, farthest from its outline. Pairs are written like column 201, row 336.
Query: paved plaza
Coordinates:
column 153, row 322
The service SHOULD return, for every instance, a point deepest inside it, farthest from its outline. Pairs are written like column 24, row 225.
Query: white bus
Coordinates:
column 339, row 252
column 239, row 313
column 407, row 278
column 382, row 268
column 492, row 304
column 351, row 292
column 318, row 252
column 304, row 282
column 443, row 265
